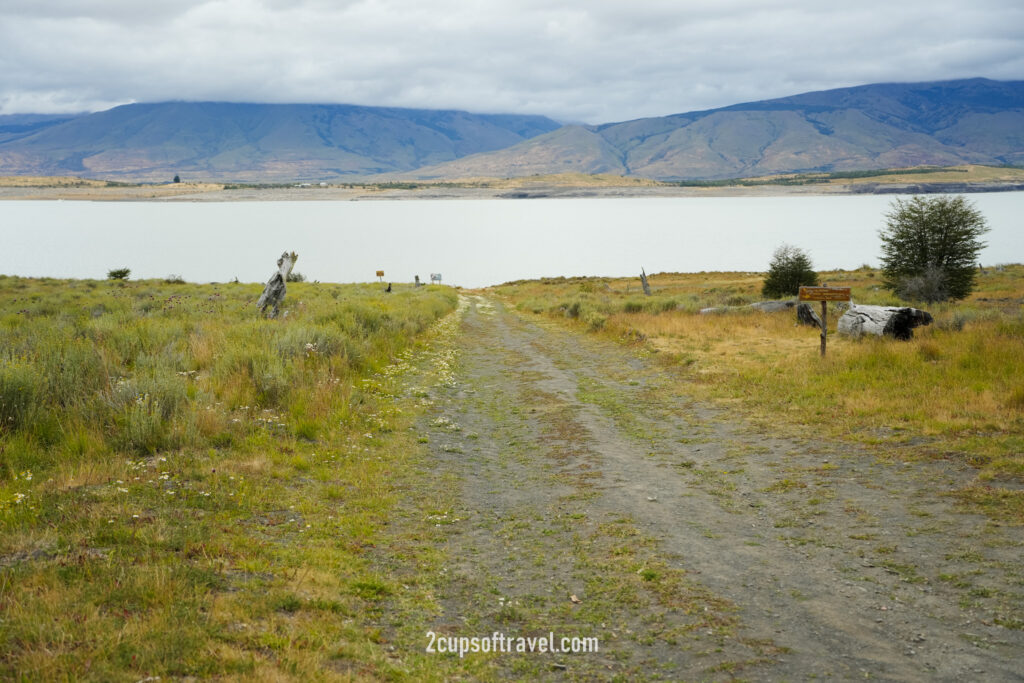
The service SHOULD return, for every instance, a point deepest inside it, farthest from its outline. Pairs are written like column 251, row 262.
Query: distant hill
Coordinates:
column 13, row 126
column 251, row 142
column 868, row 127
column 947, row 123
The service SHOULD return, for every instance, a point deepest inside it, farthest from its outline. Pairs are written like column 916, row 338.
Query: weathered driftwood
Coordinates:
column 643, row 282
column 805, row 315
column 763, row 306
column 273, row 293
column 892, row 321
column 773, row 306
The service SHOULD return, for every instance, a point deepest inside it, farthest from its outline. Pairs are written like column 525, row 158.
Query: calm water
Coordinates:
column 471, row 243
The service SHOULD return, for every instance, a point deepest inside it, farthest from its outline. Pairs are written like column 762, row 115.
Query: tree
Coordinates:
column 177, row 178
column 789, row 269
column 119, row 273
column 930, row 247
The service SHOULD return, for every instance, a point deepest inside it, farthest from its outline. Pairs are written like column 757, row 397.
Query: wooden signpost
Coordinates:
column 380, row 276
column 824, row 295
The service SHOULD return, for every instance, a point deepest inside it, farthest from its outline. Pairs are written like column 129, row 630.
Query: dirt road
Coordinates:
column 595, row 499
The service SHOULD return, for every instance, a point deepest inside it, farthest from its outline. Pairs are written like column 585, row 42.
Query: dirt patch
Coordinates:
column 595, row 499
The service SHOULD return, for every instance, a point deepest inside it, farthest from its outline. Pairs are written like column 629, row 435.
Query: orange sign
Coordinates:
column 380, row 273
column 824, row 294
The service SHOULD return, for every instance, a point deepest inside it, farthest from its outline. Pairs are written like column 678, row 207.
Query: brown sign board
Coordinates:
column 824, row 294
column 380, row 273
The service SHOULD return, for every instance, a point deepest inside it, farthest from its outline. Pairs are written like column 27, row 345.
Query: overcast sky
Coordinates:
column 592, row 61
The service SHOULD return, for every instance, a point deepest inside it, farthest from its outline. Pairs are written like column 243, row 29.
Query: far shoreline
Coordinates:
column 147, row 194
column 953, row 180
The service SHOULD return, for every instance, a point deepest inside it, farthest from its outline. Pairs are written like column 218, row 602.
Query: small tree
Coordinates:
column 119, row 273
column 789, row 269
column 177, row 178
column 930, row 247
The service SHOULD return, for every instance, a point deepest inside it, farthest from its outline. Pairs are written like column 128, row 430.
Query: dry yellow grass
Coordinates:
column 957, row 174
column 952, row 391
column 44, row 187
column 49, row 181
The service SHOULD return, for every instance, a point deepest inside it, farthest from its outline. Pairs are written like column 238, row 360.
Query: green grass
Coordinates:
column 187, row 490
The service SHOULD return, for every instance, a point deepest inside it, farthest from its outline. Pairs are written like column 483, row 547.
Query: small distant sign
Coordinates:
column 435, row 277
column 824, row 294
column 380, row 273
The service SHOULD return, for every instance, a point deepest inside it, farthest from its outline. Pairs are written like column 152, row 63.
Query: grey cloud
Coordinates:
column 594, row 61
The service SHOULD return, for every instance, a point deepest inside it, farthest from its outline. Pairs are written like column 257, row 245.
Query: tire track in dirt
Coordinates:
column 697, row 547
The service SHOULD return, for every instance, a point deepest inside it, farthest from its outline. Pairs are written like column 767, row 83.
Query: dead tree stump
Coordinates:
column 805, row 315
column 643, row 282
column 891, row 321
column 273, row 293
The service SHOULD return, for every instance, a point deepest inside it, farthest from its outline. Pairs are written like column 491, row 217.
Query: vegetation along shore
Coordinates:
column 970, row 178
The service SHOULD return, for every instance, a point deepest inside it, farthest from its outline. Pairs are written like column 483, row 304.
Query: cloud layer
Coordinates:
column 577, row 60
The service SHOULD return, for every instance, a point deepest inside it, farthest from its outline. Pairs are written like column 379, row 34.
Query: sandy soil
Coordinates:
column 595, row 498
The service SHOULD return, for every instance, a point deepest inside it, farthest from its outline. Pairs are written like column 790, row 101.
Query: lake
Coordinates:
column 471, row 243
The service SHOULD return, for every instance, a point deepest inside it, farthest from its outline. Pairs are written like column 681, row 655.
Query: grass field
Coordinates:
column 189, row 490
column 954, row 391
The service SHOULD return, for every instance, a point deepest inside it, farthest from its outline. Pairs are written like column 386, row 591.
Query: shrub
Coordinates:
column 594, row 320
column 140, row 428
column 119, row 273
column 295, row 276
column 72, row 371
column 307, row 340
column 930, row 286
column 790, row 268
column 20, row 387
column 930, row 247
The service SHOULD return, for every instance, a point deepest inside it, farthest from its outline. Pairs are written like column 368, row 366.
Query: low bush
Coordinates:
column 21, row 387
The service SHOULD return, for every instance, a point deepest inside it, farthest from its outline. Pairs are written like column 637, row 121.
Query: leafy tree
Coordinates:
column 930, row 247
column 177, row 178
column 119, row 273
column 789, row 269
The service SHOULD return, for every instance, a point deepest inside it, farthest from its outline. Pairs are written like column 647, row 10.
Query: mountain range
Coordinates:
column 251, row 142
column 868, row 127
column 943, row 123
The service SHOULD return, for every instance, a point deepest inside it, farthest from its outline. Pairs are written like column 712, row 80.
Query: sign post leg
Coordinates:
column 824, row 295
column 824, row 326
